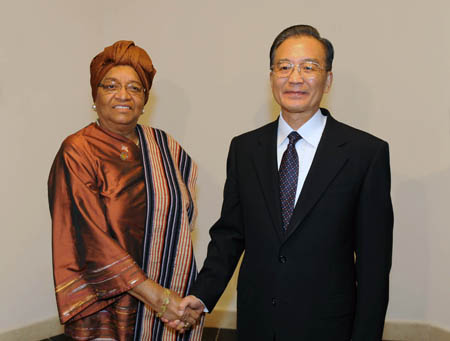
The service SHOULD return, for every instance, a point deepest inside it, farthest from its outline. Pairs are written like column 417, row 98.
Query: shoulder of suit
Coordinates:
column 256, row 133
column 357, row 135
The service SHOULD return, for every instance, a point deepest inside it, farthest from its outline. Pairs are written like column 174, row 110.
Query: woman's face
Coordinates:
column 120, row 99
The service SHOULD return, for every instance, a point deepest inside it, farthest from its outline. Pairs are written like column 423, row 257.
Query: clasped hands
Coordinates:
column 176, row 312
column 182, row 313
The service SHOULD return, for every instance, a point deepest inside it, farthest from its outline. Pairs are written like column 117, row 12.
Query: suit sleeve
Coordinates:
column 374, row 227
column 227, row 240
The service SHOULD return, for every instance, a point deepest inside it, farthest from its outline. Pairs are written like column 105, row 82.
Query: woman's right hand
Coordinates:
column 180, row 316
column 193, row 309
column 169, row 308
column 165, row 303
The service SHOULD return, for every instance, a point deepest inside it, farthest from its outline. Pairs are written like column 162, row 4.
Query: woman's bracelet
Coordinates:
column 165, row 303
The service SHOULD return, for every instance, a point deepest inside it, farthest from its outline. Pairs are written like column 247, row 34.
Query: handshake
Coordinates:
column 176, row 312
column 179, row 313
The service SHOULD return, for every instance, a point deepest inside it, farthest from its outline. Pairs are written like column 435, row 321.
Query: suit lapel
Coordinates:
column 328, row 160
column 265, row 161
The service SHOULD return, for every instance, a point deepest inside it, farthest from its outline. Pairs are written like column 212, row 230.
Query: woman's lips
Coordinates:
column 122, row 107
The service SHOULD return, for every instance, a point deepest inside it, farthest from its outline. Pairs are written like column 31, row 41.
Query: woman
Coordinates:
column 122, row 204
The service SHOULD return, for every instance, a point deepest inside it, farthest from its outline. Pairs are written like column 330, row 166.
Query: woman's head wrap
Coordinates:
column 123, row 52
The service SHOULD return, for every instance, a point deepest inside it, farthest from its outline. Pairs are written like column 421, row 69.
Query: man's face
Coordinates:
column 299, row 92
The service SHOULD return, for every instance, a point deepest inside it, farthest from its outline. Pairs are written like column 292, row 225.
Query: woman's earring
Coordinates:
column 94, row 107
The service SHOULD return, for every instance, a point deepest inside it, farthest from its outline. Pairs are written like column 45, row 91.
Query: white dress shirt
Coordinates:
column 311, row 132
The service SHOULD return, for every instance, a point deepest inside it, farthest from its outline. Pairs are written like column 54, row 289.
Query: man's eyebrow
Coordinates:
column 303, row 60
column 311, row 60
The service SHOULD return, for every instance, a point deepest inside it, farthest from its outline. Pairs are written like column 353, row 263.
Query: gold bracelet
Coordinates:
column 165, row 303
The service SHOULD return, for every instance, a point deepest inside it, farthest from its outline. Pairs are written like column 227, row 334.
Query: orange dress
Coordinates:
column 120, row 214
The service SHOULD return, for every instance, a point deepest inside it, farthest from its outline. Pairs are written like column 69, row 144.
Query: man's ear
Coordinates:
column 328, row 82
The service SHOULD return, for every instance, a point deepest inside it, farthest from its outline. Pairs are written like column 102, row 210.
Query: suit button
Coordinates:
column 283, row 259
column 274, row 302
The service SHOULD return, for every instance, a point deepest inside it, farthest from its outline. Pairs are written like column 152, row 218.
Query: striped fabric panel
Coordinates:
column 189, row 176
column 168, row 252
column 148, row 223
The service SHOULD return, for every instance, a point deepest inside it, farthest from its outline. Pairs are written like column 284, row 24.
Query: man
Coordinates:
column 308, row 200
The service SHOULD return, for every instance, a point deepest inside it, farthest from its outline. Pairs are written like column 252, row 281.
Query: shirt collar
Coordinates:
column 311, row 131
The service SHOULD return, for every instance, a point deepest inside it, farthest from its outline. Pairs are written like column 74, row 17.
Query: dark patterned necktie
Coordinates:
column 288, row 179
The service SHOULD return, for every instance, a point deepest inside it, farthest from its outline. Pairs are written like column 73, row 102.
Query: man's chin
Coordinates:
column 294, row 109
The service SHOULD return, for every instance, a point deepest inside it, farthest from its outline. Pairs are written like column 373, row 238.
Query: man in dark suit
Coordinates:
column 308, row 200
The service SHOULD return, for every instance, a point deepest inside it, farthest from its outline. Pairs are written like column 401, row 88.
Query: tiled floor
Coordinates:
column 209, row 334
column 214, row 334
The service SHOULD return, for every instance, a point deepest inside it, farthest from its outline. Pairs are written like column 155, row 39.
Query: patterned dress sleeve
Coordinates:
column 91, row 270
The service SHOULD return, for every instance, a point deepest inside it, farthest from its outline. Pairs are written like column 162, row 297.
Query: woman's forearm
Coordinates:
column 150, row 293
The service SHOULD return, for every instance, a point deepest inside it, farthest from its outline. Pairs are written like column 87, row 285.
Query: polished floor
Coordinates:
column 209, row 334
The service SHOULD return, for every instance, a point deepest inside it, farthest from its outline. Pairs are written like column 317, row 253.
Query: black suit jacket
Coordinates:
column 305, row 284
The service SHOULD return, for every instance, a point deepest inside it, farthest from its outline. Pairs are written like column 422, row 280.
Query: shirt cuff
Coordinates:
column 205, row 310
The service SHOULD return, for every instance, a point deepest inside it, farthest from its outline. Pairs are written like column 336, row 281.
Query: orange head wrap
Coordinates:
column 123, row 52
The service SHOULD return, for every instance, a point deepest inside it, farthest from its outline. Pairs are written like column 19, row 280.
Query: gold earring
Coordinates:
column 94, row 107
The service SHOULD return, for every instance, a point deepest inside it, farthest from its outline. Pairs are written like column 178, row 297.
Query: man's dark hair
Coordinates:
column 299, row 31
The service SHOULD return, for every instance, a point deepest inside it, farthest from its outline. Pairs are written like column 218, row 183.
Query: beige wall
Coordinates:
column 391, row 78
